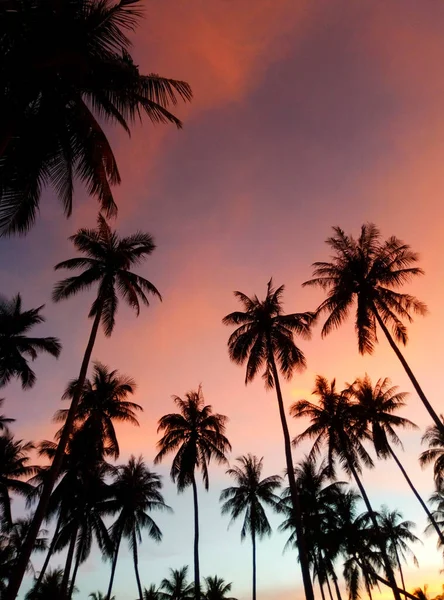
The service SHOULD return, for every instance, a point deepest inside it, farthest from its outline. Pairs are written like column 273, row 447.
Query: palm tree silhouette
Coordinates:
column 264, row 339
column 51, row 587
column 335, row 424
column 197, row 435
column 434, row 436
column 4, row 421
column 247, row 498
column 14, row 466
column 58, row 97
column 177, row 587
column 368, row 270
column 103, row 400
column 135, row 493
column 99, row 596
column 107, row 262
column 376, row 407
column 16, row 347
column 216, row 589
column 151, row 593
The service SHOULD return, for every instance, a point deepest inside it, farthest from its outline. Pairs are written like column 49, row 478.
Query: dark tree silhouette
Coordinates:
column 4, row 421
column 216, row 589
column 14, row 467
column 67, row 69
column 434, row 437
column 196, row 435
column 247, row 498
column 177, row 586
column 264, row 339
column 17, row 348
column 367, row 271
column 107, row 261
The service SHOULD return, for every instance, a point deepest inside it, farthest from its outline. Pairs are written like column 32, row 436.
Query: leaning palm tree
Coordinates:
column 335, row 424
column 247, row 498
column 135, row 493
column 376, row 405
column 264, row 339
column 103, row 401
column 216, row 589
column 368, row 271
column 196, row 435
column 107, row 261
column 14, row 467
column 58, row 97
column 177, row 587
column 434, row 437
column 17, row 348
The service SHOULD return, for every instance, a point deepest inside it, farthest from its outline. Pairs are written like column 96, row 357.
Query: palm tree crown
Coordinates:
column 216, row 588
column 177, row 587
column 16, row 347
column 434, row 437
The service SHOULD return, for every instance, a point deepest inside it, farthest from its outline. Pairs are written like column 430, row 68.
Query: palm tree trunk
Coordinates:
column 28, row 545
column 114, row 565
column 303, row 554
column 388, row 568
column 76, row 568
column 196, row 542
column 387, row 583
column 420, row 500
column 409, row 372
column 49, row 554
column 335, row 581
column 136, row 567
column 328, row 586
column 253, row 541
column 317, row 570
column 68, row 563
column 401, row 574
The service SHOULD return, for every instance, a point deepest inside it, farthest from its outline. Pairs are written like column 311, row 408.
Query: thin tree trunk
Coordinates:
column 303, row 554
column 253, row 541
column 387, row 583
column 68, row 563
column 114, row 565
column 48, row 554
column 136, row 567
column 76, row 568
column 399, row 565
column 328, row 586
column 335, row 581
column 409, row 372
column 196, row 542
column 420, row 500
column 318, row 571
column 387, row 565
column 28, row 545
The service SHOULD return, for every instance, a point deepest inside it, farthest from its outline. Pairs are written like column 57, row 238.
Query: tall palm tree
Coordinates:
column 14, row 467
column 4, row 421
column 376, row 406
column 107, row 262
column 434, row 437
column 103, row 400
column 16, row 347
column 335, row 424
column 397, row 534
column 177, row 587
column 368, row 270
column 135, row 493
column 264, row 339
column 196, row 435
column 247, row 498
column 67, row 68
column 216, row 589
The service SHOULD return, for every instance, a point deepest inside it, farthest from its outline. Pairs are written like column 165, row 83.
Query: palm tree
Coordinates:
column 135, row 492
column 51, row 587
column 177, row 587
column 107, row 262
column 57, row 98
column 247, row 498
column 376, row 407
column 335, row 424
column 437, row 501
column 434, row 436
column 196, row 435
column 99, row 596
column 368, row 270
column 216, row 589
column 151, row 593
column 4, row 421
column 14, row 466
column 16, row 347
column 103, row 401
column 264, row 339
column 397, row 533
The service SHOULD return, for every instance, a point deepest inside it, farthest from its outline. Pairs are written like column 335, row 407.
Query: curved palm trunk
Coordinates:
column 196, row 542
column 303, row 554
column 114, row 565
column 388, row 568
column 68, row 563
column 420, row 500
column 28, row 545
column 387, row 583
column 409, row 372
column 136, row 565
column 48, row 554
column 398, row 562
column 253, row 542
column 76, row 568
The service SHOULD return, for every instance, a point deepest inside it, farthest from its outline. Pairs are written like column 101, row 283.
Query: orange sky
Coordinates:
column 306, row 115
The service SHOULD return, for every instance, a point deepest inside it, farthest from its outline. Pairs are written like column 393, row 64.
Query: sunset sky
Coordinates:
column 306, row 114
